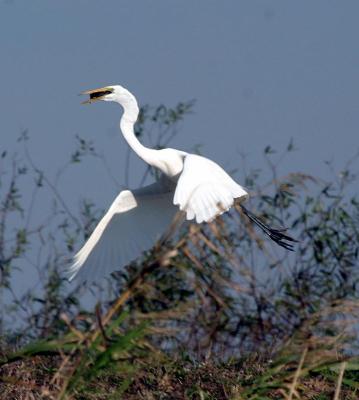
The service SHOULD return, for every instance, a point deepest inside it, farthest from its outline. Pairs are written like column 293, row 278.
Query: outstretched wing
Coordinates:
column 204, row 190
column 132, row 225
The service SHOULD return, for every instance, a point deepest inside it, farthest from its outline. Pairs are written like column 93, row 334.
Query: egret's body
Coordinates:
column 138, row 218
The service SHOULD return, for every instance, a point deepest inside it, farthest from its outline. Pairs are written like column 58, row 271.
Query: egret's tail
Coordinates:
column 276, row 235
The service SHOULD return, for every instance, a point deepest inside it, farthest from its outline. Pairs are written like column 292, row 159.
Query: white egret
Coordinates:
column 199, row 187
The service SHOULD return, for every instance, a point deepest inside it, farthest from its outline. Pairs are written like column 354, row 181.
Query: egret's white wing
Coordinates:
column 132, row 225
column 204, row 190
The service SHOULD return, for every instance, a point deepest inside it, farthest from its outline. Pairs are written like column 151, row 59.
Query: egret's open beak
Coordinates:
column 97, row 94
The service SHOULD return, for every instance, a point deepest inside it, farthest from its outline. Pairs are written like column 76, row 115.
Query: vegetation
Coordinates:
column 215, row 312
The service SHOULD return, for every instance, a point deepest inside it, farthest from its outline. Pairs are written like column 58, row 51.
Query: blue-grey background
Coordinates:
column 262, row 72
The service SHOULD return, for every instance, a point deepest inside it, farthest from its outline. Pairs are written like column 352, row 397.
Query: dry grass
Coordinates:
column 175, row 380
column 219, row 314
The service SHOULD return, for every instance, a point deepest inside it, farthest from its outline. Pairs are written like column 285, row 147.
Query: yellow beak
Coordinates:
column 97, row 94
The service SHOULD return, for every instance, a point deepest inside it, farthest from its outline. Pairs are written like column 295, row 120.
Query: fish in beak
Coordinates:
column 97, row 94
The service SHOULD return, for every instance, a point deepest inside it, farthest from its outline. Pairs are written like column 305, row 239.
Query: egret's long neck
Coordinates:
column 127, row 124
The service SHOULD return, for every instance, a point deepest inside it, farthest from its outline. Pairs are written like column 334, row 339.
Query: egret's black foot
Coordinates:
column 276, row 235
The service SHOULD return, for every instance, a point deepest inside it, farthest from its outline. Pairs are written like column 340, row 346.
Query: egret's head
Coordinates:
column 115, row 93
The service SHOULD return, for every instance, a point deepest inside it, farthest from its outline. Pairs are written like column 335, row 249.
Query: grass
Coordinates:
column 215, row 314
column 116, row 360
column 247, row 378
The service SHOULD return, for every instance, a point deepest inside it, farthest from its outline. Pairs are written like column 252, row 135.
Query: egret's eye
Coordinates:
column 100, row 94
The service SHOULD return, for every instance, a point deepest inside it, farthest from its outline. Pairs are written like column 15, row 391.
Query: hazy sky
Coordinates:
column 262, row 72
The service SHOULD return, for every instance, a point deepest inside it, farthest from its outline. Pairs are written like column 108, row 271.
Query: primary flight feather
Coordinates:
column 138, row 218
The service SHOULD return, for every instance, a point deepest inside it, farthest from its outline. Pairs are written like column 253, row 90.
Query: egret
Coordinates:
column 197, row 186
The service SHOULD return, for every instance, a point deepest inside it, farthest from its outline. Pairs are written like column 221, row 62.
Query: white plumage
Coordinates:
column 132, row 225
column 138, row 218
column 204, row 190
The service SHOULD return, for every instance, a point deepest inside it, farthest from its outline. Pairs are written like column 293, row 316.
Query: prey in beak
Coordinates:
column 97, row 94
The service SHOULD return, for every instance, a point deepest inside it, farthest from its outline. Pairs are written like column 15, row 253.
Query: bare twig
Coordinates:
column 340, row 380
column 297, row 374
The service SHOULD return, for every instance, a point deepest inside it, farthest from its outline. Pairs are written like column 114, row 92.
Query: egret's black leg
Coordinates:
column 276, row 235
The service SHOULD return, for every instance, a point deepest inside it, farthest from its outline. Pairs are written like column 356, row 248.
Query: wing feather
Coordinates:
column 137, row 219
column 132, row 225
column 204, row 190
